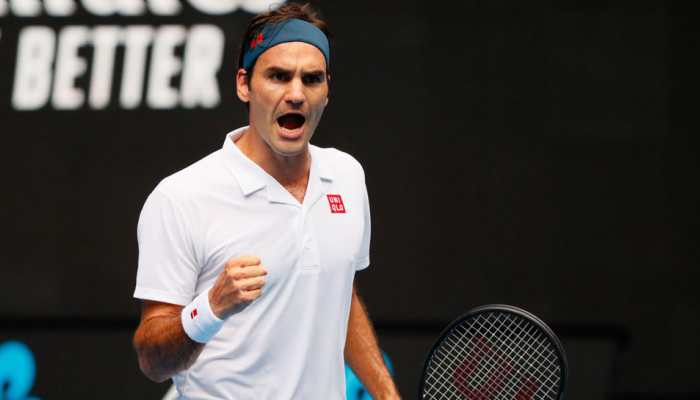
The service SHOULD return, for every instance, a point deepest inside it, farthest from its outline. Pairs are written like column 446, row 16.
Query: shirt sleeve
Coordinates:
column 362, row 260
column 167, row 267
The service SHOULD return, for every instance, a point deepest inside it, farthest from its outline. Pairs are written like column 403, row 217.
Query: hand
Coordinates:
column 241, row 281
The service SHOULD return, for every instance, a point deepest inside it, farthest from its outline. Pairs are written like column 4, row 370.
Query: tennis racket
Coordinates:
column 495, row 352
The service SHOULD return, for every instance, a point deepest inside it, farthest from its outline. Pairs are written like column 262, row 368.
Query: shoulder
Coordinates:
column 338, row 163
column 192, row 179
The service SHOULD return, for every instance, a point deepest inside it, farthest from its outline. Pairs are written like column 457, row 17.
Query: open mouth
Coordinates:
column 291, row 121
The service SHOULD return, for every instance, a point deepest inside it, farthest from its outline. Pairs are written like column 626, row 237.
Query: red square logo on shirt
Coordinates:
column 336, row 203
column 193, row 313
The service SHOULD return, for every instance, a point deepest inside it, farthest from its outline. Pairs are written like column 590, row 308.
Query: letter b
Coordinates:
column 33, row 70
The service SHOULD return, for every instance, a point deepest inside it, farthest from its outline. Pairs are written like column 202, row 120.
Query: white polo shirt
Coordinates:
column 288, row 343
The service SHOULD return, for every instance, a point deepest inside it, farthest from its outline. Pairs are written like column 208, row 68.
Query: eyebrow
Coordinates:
column 274, row 69
column 277, row 69
column 315, row 72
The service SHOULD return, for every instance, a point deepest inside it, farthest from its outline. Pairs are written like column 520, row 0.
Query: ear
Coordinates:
column 242, row 85
column 328, row 79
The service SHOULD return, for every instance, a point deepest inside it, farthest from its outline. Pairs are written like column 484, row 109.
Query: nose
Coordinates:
column 295, row 94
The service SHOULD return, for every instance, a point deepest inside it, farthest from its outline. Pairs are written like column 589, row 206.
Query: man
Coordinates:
column 247, row 257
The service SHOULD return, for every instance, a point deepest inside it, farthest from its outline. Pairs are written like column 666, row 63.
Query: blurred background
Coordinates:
column 531, row 153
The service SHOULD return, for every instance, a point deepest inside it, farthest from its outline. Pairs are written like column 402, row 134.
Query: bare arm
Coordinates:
column 162, row 346
column 363, row 354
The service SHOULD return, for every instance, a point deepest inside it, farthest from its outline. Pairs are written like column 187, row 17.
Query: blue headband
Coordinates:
column 291, row 30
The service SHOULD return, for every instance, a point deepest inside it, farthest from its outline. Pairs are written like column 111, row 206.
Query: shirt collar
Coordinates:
column 251, row 177
column 324, row 172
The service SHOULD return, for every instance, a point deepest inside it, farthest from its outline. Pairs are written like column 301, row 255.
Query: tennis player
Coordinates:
column 247, row 257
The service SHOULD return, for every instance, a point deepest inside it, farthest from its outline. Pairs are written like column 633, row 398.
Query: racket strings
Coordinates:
column 494, row 356
column 493, row 379
column 540, row 361
column 534, row 342
column 485, row 381
column 505, row 378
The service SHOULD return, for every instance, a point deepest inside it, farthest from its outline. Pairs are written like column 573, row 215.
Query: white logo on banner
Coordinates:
column 52, row 70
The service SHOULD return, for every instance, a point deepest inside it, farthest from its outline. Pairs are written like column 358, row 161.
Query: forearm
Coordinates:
column 363, row 354
column 161, row 343
column 164, row 348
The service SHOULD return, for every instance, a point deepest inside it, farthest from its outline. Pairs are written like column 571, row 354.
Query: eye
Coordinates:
column 279, row 76
column 312, row 79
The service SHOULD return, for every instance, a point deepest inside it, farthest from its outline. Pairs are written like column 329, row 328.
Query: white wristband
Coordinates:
column 199, row 320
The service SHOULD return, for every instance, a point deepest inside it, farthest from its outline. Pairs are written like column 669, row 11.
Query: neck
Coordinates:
column 287, row 170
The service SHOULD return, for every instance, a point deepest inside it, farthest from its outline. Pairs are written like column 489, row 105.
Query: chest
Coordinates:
column 290, row 240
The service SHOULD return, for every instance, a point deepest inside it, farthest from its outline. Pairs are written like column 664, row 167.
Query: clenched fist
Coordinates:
column 241, row 281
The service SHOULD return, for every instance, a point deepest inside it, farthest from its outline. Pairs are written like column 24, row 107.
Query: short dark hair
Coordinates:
column 304, row 12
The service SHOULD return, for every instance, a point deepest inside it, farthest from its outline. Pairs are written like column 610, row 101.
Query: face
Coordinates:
column 287, row 95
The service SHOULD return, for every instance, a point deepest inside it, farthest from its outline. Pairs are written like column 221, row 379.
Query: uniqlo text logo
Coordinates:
column 193, row 313
column 336, row 203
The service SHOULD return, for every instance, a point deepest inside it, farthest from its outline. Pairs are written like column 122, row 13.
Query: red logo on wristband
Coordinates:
column 336, row 203
column 193, row 313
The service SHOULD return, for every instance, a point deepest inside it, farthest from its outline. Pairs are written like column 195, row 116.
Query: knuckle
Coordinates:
column 251, row 260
